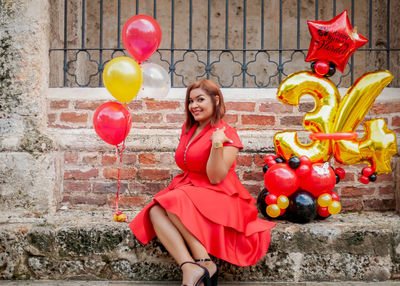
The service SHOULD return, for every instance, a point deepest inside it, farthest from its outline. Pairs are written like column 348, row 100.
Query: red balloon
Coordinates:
column 280, row 179
column 305, row 160
column 271, row 199
column 335, row 197
column 303, row 170
column 141, row 37
column 334, row 41
column 269, row 158
column 270, row 163
column 364, row 179
column 112, row 122
column 322, row 179
column 367, row 171
column 323, row 211
column 321, row 67
column 340, row 172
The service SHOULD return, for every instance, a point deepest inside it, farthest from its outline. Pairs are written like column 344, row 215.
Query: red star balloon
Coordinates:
column 334, row 40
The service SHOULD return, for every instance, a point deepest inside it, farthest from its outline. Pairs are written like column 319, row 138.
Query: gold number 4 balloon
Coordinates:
column 334, row 115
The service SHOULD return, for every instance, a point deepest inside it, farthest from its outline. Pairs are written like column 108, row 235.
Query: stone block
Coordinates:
column 90, row 246
column 28, row 182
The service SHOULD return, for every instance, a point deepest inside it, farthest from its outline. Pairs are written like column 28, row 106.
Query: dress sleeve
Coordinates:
column 231, row 133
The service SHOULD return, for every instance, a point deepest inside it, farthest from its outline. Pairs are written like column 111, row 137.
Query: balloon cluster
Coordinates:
column 298, row 183
column 124, row 77
column 299, row 188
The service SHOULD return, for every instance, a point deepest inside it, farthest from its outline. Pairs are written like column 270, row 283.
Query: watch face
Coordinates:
column 218, row 145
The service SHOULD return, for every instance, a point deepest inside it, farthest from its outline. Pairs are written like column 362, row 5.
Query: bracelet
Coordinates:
column 217, row 145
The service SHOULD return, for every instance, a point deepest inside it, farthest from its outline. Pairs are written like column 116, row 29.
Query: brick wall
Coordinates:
column 90, row 166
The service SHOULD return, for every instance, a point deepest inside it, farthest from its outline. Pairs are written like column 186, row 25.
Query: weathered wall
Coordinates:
column 50, row 155
column 28, row 173
column 89, row 165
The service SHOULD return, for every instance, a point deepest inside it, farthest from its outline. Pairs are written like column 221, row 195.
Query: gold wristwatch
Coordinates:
column 217, row 145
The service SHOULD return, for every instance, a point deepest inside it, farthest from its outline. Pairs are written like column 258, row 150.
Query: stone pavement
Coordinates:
column 132, row 283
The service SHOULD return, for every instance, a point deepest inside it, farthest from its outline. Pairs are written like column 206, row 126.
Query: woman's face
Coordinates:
column 201, row 105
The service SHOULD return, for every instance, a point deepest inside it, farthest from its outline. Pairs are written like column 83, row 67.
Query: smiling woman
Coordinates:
column 205, row 210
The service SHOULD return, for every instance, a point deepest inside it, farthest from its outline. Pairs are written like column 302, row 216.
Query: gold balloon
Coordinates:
column 287, row 144
column 320, row 119
column 376, row 148
column 273, row 210
column 359, row 100
column 324, row 200
column 282, row 202
column 122, row 77
column 378, row 145
column 334, row 207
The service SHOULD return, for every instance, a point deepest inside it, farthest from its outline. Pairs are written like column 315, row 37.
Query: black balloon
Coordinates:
column 280, row 160
column 373, row 177
column 302, row 207
column 337, row 178
column 294, row 162
column 313, row 67
column 261, row 204
column 265, row 168
column 332, row 69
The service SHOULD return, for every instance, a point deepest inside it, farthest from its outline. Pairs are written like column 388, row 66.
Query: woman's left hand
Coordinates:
column 219, row 136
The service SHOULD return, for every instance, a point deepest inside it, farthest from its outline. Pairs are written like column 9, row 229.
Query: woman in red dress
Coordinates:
column 205, row 210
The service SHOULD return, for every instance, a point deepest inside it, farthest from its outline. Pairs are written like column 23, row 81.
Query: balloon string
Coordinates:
column 119, row 155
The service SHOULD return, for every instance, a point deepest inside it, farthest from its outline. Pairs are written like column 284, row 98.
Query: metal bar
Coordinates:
column 226, row 24
column 388, row 35
column 137, row 7
column 190, row 23
column 208, row 68
column 370, row 25
column 334, row 8
column 262, row 24
column 119, row 25
column 155, row 9
column 244, row 66
column 101, row 45
column 65, row 42
column 172, row 66
column 298, row 23
column 280, row 68
column 352, row 57
column 316, row 10
column 83, row 25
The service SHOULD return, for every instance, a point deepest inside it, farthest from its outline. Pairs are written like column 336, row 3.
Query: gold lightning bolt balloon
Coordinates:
column 359, row 100
column 378, row 145
column 320, row 119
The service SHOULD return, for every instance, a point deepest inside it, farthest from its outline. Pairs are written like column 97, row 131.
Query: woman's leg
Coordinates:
column 197, row 249
column 173, row 241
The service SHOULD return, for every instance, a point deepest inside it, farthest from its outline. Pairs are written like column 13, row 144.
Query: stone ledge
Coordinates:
column 90, row 246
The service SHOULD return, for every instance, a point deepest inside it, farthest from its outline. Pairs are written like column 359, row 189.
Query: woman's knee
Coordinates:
column 156, row 211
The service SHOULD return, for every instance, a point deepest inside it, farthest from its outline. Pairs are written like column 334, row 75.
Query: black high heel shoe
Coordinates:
column 214, row 278
column 204, row 278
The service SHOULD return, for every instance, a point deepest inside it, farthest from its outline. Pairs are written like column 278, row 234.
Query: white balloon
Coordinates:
column 156, row 81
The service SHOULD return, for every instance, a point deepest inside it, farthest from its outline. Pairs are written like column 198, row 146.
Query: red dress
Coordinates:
column 222, row 217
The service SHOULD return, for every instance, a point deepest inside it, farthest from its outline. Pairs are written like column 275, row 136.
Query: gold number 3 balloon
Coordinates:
column 334, row 115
